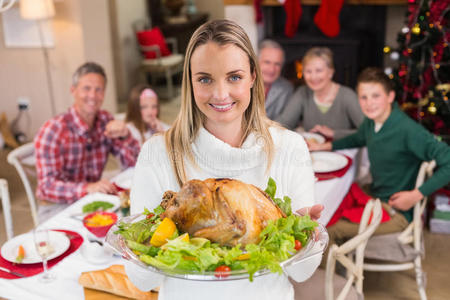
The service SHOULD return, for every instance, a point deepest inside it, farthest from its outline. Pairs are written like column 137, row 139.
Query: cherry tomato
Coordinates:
column 298, row 245
column 149, row 216
column 222, row 271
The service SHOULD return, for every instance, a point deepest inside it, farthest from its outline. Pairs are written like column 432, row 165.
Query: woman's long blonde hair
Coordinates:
column 190, row 119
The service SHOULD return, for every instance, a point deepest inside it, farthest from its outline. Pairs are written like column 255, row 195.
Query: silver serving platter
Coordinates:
column 315, row 247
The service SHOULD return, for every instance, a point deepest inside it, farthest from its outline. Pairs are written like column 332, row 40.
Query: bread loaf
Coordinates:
column 114, row 280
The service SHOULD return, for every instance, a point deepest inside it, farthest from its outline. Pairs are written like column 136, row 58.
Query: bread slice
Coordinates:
column 114, row 280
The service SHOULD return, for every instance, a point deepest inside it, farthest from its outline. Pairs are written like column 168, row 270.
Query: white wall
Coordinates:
column 215, row 8
column 81, row 32
column 244, row 15
column 127, row 57
column 96, row 27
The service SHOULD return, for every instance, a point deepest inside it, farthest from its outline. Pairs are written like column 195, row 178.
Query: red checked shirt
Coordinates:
column 69, row 155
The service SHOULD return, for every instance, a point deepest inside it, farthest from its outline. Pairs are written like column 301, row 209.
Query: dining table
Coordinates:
column 329, row 192
column 67, row 271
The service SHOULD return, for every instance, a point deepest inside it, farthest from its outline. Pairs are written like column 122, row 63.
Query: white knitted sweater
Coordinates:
column 291, row 169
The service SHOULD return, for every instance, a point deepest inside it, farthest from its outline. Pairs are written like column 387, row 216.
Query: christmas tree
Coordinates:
column 422, row 75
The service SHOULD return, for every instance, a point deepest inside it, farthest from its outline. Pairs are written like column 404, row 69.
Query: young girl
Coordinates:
column 143, row 112
column 222, row 132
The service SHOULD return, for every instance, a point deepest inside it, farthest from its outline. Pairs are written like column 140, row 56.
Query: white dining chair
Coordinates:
column 324, row 284
column 160, row 66
column 6, row 204
column 23, row 159
column 404, row 250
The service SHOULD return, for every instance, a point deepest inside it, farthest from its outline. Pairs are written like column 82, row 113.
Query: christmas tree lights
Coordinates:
column 422, row 74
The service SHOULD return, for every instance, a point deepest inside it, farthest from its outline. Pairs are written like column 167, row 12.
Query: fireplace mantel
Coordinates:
column 317, row 2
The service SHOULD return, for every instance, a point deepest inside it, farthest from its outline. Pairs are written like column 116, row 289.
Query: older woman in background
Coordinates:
column 322, row 105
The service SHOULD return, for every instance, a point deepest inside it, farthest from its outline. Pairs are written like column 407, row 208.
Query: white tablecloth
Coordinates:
column 331, row 192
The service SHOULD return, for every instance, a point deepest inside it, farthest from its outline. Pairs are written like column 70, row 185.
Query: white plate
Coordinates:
column 124, row 179
column 113, row 199
column 315, row 137
column 327, row 161
column 58, row 240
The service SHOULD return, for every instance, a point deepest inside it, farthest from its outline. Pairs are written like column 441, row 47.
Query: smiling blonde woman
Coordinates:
column 222, row 132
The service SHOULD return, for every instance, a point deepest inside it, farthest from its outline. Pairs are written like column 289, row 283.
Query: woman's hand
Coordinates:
column 314, row 211
column 404, row 200
column 323, row 130
column 116, row 129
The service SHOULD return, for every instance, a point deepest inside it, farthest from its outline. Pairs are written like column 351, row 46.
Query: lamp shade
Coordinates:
column 37, row 9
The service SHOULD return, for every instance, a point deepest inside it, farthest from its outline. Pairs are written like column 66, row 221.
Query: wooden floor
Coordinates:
column 395, row 285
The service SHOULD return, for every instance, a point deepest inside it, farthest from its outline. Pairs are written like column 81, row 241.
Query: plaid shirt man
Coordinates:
column 69, row 155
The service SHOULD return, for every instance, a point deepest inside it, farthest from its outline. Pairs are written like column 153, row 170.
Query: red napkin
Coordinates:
column 352, row 206
column 443, row 191
column 32, row 269
column 335, row 174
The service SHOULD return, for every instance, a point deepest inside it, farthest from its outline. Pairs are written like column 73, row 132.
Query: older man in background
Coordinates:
column 72, row 148
column 277, row 89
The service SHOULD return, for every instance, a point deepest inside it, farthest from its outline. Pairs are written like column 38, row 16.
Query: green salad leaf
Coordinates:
column 285, row 203
column 142, row 230
column 97, row 205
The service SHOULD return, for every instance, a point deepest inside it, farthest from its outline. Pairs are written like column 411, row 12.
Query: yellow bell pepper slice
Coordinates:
column 164, row 231
column 244, row 256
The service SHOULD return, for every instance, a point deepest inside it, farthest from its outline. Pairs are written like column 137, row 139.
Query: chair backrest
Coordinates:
column 413, row 233
column 141, row 24
column 351, row 253
column 6, row 204
column 21, row 158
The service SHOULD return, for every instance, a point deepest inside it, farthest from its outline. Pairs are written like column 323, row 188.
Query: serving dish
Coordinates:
column 313, row 249
column 100, row 230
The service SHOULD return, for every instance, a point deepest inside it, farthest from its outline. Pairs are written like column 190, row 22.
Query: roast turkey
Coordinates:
column 225, row 211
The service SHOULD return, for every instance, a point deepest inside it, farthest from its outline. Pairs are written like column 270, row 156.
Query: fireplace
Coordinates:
column 358, row 45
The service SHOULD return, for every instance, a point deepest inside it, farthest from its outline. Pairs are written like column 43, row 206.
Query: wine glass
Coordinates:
column 44, row 250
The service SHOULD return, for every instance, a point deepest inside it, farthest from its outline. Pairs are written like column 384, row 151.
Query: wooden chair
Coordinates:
column 404, row 250
column 351, row 256
column 6, row 204
column 22, row 158
column 166, row 66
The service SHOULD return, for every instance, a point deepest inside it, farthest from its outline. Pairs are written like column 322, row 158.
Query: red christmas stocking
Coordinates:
column 258, row 11
column 327, row 17
column 293, row 11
